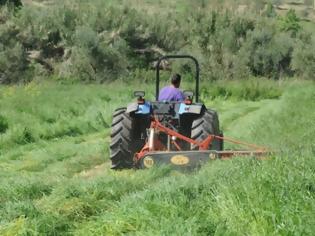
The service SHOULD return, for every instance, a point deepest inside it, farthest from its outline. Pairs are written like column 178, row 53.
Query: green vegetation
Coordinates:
column 65, row 66
column 103, row 40
column 55, row 176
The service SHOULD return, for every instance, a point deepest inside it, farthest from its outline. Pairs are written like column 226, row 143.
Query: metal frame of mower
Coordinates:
column 155, row 153
column 182, row 134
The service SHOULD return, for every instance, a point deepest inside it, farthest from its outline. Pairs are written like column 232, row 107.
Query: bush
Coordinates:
column 220, row 37
column 94, row 58
column 4, row 124
column 102, row 41
column 14, row 3
column 14, row 66
column 270, row 10
column 303, row 60
column 290, row 22
column 265, row 54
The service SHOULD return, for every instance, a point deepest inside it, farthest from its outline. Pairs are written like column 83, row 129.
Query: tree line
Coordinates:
column 99, row 41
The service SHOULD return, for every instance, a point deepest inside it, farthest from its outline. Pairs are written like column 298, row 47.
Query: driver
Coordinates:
column 172, row 92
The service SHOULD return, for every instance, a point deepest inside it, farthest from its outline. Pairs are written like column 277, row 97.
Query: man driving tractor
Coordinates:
column 172, row 92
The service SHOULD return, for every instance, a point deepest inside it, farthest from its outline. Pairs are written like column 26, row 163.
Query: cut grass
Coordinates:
column 48, row 111
column 243, row 196
column 235, row 198
column 44, row 188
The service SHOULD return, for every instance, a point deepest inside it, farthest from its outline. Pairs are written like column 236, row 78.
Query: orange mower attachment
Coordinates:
column 154, row 153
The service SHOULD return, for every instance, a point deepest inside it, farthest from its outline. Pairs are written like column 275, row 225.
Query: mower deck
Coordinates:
column 191, row 159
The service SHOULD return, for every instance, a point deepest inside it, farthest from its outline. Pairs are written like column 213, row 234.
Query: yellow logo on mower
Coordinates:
column 148, row 162
column 180, row 160
column 212, row 156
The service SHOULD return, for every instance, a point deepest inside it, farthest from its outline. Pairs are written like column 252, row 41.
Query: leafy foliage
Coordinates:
column 266, row 54
column 4, row 124
column 102, row 41
column 15, row 3
column 304, row 60
column 290, row 22
column 270, row 10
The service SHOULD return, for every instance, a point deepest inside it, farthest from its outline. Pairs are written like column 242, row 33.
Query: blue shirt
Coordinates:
column 171, row 93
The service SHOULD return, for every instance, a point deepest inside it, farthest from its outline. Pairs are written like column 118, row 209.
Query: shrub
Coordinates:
column 103, row 41
column 270, row 10
column 290, row 22
column 265, row 54
column 78, row 66
column 14, row 3
column 303, row 60
column 95, row 58
column 14, row 66
column 4, row 124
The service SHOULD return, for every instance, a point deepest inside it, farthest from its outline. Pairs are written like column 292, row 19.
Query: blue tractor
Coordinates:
column 165, row 132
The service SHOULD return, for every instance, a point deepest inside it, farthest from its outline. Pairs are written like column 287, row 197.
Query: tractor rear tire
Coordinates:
column 120, row 153
column 128, row 136
column 205, row 125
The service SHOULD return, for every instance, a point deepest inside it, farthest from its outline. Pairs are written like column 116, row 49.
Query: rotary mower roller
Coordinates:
column 182, row 134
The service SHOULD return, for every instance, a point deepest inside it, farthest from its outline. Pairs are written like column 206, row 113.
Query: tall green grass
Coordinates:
column 271, row 197
column 60, row 183
column 50, row 111
column 239, row 197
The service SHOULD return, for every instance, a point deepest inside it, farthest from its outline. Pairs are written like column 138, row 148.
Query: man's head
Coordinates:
column 175, row 80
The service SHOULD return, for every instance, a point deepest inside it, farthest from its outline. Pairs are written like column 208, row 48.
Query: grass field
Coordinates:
column 55, row 177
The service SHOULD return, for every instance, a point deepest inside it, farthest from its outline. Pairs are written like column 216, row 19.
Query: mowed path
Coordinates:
column 52, row 176
column 84, row 156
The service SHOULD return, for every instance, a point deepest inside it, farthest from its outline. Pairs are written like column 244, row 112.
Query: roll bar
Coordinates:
column 177, row 57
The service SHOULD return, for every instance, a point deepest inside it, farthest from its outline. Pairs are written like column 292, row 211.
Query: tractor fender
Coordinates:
column 190, row 109
column 143, row 109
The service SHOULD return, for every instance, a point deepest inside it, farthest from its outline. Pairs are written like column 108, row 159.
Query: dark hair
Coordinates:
column 176, row 78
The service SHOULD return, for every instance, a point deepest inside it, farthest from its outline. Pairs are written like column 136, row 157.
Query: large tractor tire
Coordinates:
column 127, row 138
column 205, row 125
